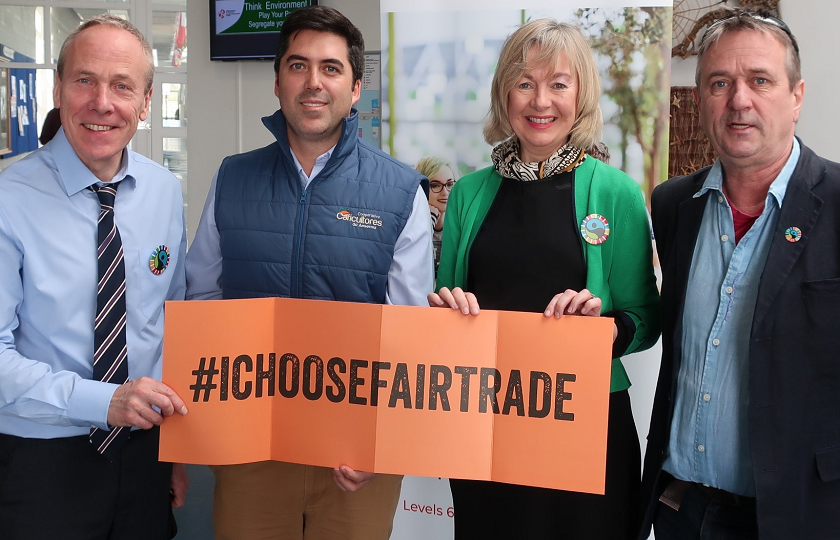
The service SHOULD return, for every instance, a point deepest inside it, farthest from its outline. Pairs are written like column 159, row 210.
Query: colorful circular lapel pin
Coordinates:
column 159, row 260
column 595, row 229
column 793, row 234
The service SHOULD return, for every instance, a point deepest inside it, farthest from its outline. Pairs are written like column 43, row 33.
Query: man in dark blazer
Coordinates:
column 745, row 433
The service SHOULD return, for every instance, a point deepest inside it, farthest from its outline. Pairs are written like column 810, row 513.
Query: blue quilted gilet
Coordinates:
column 333, row 241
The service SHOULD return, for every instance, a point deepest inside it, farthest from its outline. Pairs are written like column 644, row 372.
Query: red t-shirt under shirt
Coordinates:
column 742, row 222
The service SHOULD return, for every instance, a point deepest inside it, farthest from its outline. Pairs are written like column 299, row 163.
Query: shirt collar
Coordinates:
column 320, row 163
column 714, row 180
column 74, row 174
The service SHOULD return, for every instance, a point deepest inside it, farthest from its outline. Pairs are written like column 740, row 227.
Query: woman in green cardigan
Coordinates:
column 550, row 229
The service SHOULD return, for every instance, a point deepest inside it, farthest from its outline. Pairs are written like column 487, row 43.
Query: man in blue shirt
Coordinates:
column 745, row 434
column 317, row 214
column 79, row 365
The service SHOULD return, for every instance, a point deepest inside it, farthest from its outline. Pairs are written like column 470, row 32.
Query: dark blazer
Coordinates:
column 794, row 358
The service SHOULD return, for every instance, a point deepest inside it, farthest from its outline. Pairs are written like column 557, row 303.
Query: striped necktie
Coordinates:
column 110, row 357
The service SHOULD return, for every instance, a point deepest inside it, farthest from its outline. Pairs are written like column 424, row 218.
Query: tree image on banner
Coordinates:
column 634, row 40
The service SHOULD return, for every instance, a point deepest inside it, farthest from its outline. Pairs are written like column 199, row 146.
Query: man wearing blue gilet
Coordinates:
column 279, row 221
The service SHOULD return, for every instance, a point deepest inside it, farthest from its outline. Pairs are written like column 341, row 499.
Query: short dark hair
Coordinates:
column 324, row 19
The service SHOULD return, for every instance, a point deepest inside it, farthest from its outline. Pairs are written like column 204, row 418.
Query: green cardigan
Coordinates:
column 619, row 270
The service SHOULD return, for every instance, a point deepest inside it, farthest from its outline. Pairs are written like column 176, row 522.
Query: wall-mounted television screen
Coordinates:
column 242, row 30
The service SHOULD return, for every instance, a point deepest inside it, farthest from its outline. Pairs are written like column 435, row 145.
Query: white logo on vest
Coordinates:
column 360, row 219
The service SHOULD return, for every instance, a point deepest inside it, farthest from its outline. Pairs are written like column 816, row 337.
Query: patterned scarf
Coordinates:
column 506, row 160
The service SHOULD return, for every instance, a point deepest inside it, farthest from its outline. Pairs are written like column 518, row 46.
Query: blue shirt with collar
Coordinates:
column 320, row 162
column 709, row 440
column 48, row 282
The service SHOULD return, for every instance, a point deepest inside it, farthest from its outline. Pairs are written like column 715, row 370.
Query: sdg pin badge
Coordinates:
column 595, row 229
column 159, row 260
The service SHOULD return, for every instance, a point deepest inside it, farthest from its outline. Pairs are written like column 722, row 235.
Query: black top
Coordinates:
column 528, row 248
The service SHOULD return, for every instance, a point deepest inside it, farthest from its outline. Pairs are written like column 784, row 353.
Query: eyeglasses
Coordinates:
column 437, row 187
column 761, row 17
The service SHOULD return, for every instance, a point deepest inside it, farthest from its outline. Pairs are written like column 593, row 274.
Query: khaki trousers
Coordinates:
column 272, row 500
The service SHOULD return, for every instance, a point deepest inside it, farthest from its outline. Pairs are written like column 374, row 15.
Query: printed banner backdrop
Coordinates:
column 425, row 510
column 264, row 380
column 438, row 59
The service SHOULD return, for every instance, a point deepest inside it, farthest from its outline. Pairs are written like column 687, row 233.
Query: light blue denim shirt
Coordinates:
column 48, row 282
column 709, row 440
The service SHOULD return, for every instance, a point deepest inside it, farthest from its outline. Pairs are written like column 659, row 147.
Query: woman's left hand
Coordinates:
column 574, row 303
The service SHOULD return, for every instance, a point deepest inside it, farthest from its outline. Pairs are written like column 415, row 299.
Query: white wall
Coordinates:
column 813, row 22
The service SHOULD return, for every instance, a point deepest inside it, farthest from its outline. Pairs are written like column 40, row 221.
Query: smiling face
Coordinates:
column 443, row 176
column 747, row 107
column 542, row 107
column 314, row 84
column 102, row 96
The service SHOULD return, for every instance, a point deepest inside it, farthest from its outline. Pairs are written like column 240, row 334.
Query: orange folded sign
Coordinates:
column 510, row 397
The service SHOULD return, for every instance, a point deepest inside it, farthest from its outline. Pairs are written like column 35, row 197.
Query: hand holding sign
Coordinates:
column 133, row 404
column 349, row 480
column 457, row 298
column 574, row 302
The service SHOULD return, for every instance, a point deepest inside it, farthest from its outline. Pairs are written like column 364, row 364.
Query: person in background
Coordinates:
column 744, row 437
column 92, row 241
column 442, row 177
column 279, row 221
column 549, row 229
column 51, row 124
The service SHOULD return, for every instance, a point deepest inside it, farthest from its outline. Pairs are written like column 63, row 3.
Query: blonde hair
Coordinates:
column 548, row 38
column 430, row 166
